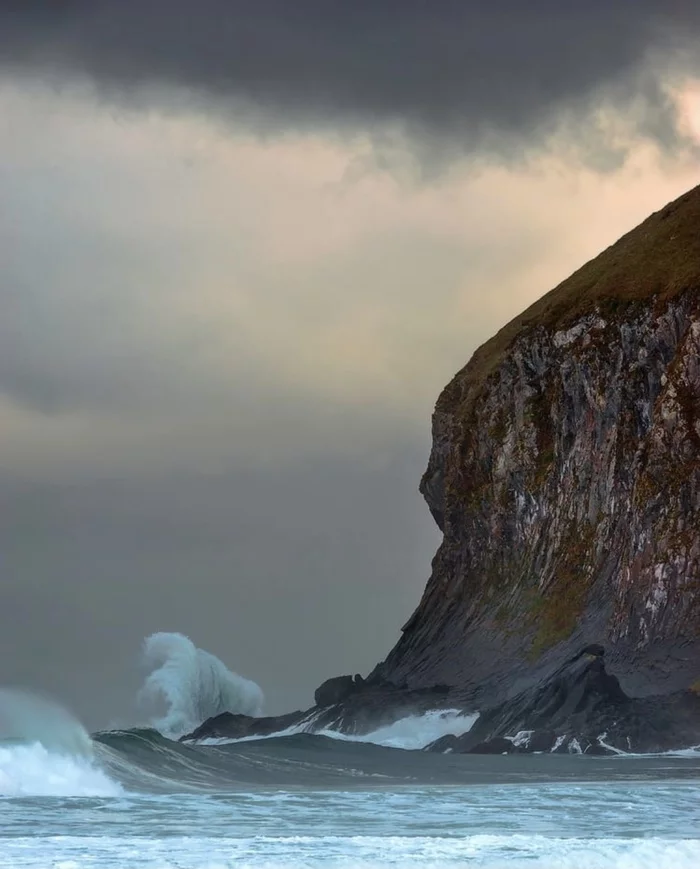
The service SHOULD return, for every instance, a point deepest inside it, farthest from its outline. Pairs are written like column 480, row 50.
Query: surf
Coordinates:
column 45, row 751
column 190, row 685
column 411, row 733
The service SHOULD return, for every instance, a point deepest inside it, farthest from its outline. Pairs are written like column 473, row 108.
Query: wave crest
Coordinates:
column 45, row 751
column 33, row 770
column 193, row 684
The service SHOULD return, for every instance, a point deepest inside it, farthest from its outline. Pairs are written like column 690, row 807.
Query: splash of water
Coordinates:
column 45, row 751
column 193, row 685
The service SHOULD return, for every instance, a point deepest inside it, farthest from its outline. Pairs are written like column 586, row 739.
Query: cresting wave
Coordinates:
column 33, row 770
column 45, row 751
column 192, row 684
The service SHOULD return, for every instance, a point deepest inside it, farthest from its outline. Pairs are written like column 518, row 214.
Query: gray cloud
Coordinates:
column 289, row 575
column 459, row 71
column 218, row 357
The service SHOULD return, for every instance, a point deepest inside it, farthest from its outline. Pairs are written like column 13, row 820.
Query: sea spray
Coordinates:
column 45, row 751
column 193, row 685
column 29, row 717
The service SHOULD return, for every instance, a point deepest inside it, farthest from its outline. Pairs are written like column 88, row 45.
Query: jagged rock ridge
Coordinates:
column 565, row 476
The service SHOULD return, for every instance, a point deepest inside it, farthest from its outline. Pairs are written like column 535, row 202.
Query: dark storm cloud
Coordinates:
column 460, row 69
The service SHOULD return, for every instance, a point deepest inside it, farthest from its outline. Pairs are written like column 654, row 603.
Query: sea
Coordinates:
column 137, row 798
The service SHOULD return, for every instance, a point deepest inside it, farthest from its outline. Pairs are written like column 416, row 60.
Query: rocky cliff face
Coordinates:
column 565, row 476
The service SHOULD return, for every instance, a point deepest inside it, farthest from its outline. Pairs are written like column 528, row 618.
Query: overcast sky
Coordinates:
column 243, row 245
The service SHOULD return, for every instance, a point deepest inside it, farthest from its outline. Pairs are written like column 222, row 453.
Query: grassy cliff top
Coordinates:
column 657, row 260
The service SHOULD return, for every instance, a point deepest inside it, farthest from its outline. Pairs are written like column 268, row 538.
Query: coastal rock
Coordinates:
column 564, row 600
column 354, row 708
column 228, row 725
column 336, row 690
column 582, row 709
column 565, row 477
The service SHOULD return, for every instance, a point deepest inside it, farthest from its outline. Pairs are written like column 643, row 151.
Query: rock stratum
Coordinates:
column 565, row 478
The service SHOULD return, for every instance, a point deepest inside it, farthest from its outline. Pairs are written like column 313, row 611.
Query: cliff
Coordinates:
column 565, row 477
column 564, row 600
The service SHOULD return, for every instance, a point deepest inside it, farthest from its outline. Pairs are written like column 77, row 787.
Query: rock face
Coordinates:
column 337, row 689
column 582, row 709
column 565, row 477
column 564, row 601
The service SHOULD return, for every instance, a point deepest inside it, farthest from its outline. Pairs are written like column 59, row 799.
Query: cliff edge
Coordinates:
column 564, row 601
column 565, row 477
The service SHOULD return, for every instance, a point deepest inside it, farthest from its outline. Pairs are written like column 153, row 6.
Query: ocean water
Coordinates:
column 137, row 799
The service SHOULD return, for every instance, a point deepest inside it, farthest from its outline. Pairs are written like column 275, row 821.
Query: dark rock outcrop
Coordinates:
column 229, row 725
column 337, row 689
column 353, row 707
column 565, row 476
column 582, row 708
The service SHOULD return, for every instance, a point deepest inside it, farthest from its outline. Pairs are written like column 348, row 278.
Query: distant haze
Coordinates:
column 241, row 252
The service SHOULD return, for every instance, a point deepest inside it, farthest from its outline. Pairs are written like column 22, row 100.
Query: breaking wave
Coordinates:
column 192, row 684
column 45, row 751
column 32, row 770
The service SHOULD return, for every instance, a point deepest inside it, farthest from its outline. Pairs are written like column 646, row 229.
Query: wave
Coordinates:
column 411, row 733
column 26, row 716
column 33, row 770
column 45, row 751
column 193, row 685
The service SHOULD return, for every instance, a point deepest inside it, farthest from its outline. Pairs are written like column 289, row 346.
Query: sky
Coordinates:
column 243, row 245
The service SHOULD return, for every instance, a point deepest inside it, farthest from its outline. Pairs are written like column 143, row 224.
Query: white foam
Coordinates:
column 693, row 752
column 32, row 770
column 684, row 752
column 603, row 744
column 193, row 684
column 45, row 751
column 414, row 732
column 417, row 731
column 521, row 738
column 353, row 852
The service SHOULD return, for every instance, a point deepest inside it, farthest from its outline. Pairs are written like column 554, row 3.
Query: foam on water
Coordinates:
column 358, row 852
column 33, row 770
column 414, row 732
column 193, row 684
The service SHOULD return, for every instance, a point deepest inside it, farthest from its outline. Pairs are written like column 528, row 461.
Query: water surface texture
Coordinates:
column 308, row 800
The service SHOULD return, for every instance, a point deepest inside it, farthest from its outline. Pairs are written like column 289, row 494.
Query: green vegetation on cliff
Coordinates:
column 658, row 260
